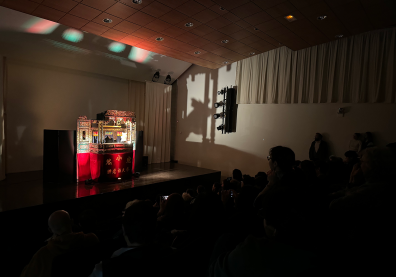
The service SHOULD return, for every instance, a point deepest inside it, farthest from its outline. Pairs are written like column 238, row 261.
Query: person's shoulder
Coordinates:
column 89, row 238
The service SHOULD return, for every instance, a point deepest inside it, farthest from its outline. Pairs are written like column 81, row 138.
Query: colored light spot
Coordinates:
column 139, row 55
column 116, row 47
column 40, row 26
column 72, row 35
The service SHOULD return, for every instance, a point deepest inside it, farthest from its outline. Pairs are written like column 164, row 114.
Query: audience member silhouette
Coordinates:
column 319, row 149
column 62, row 241
column 355, row 144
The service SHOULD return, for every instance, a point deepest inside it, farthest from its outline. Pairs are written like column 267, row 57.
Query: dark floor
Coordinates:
column 26, row 189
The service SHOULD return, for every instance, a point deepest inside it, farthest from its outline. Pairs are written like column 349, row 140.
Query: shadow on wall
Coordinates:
column 195, row 138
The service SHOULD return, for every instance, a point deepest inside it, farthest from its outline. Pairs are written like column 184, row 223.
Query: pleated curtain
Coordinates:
column 358, row 69
column 3, row 88
column 136, row 94
column 157, row 127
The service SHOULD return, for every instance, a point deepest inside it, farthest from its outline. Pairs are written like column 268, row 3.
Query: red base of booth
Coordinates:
column 105, row 166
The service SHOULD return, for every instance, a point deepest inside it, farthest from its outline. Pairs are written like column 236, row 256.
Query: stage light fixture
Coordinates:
column 167, row 80
column 156, row 76
column 221, row 127
column 218, row 104
column 221, row 92
column 218, row 115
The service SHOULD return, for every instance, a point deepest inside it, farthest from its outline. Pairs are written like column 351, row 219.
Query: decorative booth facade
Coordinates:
column 106, row 146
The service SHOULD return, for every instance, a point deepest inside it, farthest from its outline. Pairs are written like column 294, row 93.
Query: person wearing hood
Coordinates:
column 63, row 240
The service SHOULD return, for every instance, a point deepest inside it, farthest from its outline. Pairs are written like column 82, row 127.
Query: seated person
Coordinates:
column 237, row 175
column 142, row 256
column 62, row 241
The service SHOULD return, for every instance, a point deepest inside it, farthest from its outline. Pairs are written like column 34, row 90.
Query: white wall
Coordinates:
column 47, row 97
column 260, row 127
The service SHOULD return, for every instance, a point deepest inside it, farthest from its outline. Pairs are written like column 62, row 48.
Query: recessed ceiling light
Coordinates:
column 224, row 41
column 225, row 62
column 321, row 17
column 222, row 9
column 197, row 52
column 107, row 20
column 159, row 39
column 339, row 36
column 137, row 1
column 188, row 24
column 290, row 18
column 252, row 53
column 256, row 29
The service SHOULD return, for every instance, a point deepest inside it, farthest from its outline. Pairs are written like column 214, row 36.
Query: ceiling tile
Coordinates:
column 141, row 18
column 246, row 10
column 215, row 35
column 313, row 37
column 190, row 8
column 126, row 27
column 144, row 33
column 174, row 17
column 232, row 17
column 262, row 46
column 317, row 9
column 304, row 3
column 197, row 49
column 241, row 34
column 246, row 50
column 99, row 20
column 251, row 39
column 218, row 23
column 231, row 4
column 258, row 18
column 230, row 29
column 266, row 4
column 233, row 56
column 243, row 24
column 330, row 27
column 173, row 31
column 182, row 46
column 383, row 15
column 92, row 27
column 220, row 51
column 173, row 3
column 337, row 3
column 282, row 30
column 210, row 46
column 296, row 44
column 195, row 23
column 74, row 22
column 156, row 9
column 217, row 9
column 286, row 37
column 234, row 45
column 114, row 34
column 205, row 15
column 121, row 11
column 20, row 5
column 225, row 37
column 131, row 40
column 202, row 30
column 64, row 5
column 282, row 9
column 48, row 13
column 269, row 25
column 301, row 24
column 212, row 58
column 97, row 4
column 187, row 37
column 200, row 42
column 267, row 38
column 85, row 12
column 158, row 25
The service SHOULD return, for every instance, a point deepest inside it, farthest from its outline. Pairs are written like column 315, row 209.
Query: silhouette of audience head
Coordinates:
column 318, row 136
column 281, row 159
column 357, row 136
column 378, row 164
column 369, row 136
column 60, row 223
column 139, row 222
column 174, row 205
column 237, row 175
column 351, row 157
column 191, row 192
column 322, row 168
column 201, row 189
column 216, row 188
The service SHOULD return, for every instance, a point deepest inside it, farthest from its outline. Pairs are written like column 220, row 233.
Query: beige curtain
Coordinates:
column 136, row 92
column 358, row 69
column 3, row 87
column 157, row 122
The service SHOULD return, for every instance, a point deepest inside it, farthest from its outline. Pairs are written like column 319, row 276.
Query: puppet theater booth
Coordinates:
column 105, row 155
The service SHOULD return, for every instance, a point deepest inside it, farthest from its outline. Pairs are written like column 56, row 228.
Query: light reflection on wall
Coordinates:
column 72, row 35
column 116, row 47
column 39, row 26
column 139, row 55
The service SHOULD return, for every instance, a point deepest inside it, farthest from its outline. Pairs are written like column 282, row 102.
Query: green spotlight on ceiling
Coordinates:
column 72, row 35
column 116, row 47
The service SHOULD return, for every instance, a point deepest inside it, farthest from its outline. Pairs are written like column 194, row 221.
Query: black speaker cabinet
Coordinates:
column 139, row 152
column 59, row 157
